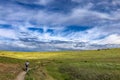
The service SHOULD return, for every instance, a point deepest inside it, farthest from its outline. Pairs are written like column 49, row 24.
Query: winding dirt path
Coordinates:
column 21, row 76
column 43, row 74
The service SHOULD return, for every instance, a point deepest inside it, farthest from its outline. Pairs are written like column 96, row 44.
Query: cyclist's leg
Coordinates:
column 26, row 68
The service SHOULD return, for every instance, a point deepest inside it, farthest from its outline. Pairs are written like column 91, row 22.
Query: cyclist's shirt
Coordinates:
column 27, row 64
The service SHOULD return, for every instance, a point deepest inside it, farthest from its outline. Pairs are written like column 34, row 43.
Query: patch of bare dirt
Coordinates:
column 8, row 71
column 21, row 76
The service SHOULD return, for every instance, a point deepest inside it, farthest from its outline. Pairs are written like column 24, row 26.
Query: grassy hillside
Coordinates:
column 64, row 65
column 9, row 68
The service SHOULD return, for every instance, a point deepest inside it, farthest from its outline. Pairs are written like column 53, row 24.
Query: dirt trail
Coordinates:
column 21, row 76
column 41, row 72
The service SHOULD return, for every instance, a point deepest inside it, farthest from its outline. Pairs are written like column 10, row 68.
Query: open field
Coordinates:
column 64, row 65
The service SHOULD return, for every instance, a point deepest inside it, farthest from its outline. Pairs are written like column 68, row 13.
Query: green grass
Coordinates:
column 67, row 65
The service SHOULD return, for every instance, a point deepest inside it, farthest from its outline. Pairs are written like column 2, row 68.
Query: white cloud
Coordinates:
column 116, row 2
column 8, row 33
column 43, row 2
column 111, row 39
column 77, row 16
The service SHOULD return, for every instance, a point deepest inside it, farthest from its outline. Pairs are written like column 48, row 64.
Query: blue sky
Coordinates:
column 52, row 25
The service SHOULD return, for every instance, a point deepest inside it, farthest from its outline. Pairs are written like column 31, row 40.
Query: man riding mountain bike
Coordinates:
column 26, row 65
